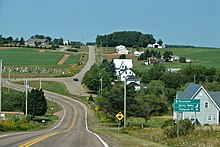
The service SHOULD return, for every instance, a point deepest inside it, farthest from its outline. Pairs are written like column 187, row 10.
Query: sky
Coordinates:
column 180, row 22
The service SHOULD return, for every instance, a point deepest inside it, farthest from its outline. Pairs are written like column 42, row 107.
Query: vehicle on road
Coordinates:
column 75, row 79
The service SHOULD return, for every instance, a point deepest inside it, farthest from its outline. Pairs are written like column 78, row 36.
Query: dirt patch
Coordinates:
column 41, row 51
column 64, row 58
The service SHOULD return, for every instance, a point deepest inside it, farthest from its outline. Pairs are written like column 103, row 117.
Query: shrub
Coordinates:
column 72, row 50
column 185, row 127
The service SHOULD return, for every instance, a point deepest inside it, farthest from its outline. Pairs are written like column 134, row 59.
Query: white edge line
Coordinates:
column 102, row 141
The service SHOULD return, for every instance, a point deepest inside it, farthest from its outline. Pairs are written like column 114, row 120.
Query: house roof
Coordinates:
column 216, row 97
column 123, row 62
column 37, row 40
column 189, row 91
column 135, row 84
column 132, row 78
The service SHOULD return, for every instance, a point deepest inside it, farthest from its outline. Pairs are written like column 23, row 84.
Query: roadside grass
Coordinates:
column 56, row 87
column 16, row 121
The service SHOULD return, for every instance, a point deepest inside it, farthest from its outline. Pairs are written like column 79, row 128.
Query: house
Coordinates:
column 121, row 49
column 151, row 61
column 137, row 53
column 173, row 69
column 209, row 105
column 121, row 65
column 174, row 58
column 188, row 60
column 134, row 81
column 124, row 74
column 33, row 42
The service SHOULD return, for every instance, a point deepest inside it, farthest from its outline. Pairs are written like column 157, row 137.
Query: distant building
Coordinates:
column 121, row 49
column 137, row 53
column 122, row 64
column 124, row 72
column 33, row 42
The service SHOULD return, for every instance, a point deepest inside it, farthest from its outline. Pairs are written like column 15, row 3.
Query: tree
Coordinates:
column 182, row 60
column 93, row 76
column 112, row 100
column 39, row 36
column 147, row 104
column 155, row 73
column 21, row 41
column 167, row 55
column 160, row 42
column 123, row 56
column 48, row 38
column 37, row 104
column 109, row 67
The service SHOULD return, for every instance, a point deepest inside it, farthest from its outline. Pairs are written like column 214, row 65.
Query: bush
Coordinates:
column 185, row 127
column 72, row 50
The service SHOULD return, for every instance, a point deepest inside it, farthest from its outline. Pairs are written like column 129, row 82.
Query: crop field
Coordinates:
column 31, row 58
column 208, row 57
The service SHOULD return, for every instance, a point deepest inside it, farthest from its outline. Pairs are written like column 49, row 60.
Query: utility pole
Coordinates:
column 101, row 54
column 40, row 84
column 9, row 74
column 0, row 88
column 125, row 103
column 101, row 84
column 26, row 90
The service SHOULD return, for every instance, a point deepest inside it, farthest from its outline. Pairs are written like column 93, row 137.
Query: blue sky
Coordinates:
column 183, row 22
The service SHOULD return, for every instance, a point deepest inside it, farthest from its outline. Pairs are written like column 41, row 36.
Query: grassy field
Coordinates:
column 45, row 62
column 207, row 57
column 32, row 57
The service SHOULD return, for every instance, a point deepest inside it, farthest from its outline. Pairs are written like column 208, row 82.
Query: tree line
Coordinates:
column 127, row 38
column 15, row 101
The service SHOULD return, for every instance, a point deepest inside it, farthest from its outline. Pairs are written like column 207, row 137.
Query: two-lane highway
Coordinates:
column 71, row 131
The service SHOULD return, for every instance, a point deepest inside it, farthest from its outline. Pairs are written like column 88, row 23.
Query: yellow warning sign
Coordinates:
column 119, row 116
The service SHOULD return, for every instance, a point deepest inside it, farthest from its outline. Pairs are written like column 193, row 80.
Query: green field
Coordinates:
column 32, row 58
column 208, row 57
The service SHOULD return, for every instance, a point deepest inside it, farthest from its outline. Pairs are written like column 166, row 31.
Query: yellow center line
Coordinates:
column 32, row 142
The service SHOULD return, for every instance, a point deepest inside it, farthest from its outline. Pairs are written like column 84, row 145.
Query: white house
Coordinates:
column 135, row 81
column 121, row 49
column 137, row 53
column 124, row 74
column 33, row 41
column 121, row 65
column 209, row 105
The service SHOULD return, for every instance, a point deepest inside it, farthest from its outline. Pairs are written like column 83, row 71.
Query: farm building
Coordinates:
column 121, row 49
column 33, row 42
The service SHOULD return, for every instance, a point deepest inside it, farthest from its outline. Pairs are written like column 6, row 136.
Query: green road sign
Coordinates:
column 187, row 105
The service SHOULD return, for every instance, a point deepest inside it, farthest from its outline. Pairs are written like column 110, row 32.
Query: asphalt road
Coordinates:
column 70, row 131
column 75, row 87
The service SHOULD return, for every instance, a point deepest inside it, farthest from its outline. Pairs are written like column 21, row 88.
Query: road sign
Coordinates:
column 187, row 105
column 96, row 108
column 87, row 98
column 119, row 116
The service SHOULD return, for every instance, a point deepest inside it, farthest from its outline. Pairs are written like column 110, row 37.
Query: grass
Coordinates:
column 45, row 61
column 56, row 87
column 207, row 57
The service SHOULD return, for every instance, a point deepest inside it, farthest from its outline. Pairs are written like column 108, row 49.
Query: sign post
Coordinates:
column 119, row 116
column 186, row 105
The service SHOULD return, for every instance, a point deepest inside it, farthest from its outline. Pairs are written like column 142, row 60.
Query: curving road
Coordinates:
column 75, row 87
column 71, row 131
